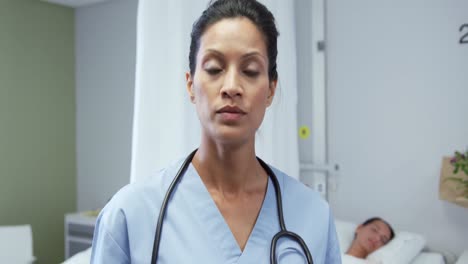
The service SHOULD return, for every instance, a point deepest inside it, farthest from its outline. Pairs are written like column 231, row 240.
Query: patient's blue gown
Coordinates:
column 194, row 230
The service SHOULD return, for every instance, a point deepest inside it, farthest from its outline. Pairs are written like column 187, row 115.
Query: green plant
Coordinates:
column 460, row 164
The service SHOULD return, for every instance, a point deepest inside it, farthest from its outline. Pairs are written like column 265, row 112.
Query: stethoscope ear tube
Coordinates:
column 283, row 232
column 162, row 212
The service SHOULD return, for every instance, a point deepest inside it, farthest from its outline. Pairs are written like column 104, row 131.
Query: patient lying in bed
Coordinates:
column 375, row 242
column 370, row 236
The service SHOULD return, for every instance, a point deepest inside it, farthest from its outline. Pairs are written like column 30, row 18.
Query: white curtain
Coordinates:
column 165, row 124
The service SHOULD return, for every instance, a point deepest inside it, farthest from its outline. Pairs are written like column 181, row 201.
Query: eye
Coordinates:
column 213, row 71
column 251, row 73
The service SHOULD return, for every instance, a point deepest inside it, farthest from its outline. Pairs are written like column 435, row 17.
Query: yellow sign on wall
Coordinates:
column 304, row 132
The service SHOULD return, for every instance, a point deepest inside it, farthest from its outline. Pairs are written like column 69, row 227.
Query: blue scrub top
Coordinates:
column 194, row 230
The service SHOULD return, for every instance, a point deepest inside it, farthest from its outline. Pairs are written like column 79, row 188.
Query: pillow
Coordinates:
column 400, row 250
column 345, row 232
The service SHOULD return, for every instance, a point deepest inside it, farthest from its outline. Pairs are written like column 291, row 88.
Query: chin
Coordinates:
column 232, row 136
column 230, row 139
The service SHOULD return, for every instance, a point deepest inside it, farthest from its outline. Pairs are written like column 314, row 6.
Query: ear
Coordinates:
column 272, row 92
column 189, row 84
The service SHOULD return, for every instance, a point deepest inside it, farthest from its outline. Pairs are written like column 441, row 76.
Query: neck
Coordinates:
column 229, row 169
column 357, row 250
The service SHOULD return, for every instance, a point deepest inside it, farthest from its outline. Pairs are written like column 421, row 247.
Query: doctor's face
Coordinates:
column 230, row 86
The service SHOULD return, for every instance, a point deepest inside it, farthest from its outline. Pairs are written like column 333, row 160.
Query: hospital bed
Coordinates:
column 404, row 248
column 83, row 257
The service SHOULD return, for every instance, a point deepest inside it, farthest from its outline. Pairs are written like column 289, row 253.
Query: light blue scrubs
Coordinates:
column 194, row 230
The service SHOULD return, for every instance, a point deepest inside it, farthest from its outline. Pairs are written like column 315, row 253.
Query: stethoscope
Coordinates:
column 282, row 233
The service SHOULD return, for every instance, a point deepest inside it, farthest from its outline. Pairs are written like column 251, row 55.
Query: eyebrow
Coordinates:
column 209, row 51
column 253, row 54
column 247, row 55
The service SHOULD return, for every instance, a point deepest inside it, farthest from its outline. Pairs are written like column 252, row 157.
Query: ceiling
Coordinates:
column 74, row 3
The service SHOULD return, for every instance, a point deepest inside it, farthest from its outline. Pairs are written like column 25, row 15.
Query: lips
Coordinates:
column 231, row 109
column 231, row 114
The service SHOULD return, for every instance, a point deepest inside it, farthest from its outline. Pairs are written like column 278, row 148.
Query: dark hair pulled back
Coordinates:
column 251, row 9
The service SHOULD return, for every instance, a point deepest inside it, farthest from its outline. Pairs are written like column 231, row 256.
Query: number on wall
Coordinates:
column 464, row 37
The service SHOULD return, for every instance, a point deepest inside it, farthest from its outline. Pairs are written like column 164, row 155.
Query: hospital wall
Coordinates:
column 37, row 121
column 105, row 70
column 397, row 98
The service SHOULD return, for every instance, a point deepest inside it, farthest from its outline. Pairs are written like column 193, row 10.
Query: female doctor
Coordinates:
column 226, row 206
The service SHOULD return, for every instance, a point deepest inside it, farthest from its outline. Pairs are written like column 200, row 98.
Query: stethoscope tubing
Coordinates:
column 162, row 212
column 282, row 233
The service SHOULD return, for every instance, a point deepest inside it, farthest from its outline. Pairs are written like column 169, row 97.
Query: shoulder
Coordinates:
column 141, row 197
column 154, row 185
column 124, row 223
column 302, row 204
column 299, row 194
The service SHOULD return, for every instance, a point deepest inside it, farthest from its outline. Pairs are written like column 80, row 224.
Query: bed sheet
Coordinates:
column 428, row 258
column 83, row 257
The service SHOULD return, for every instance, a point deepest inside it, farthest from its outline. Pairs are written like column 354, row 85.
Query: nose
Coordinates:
column 232, row 85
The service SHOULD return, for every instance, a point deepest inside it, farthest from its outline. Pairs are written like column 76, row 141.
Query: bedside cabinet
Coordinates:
column 79, row 230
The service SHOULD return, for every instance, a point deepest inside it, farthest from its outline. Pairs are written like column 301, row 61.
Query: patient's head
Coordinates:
column 370, row 235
